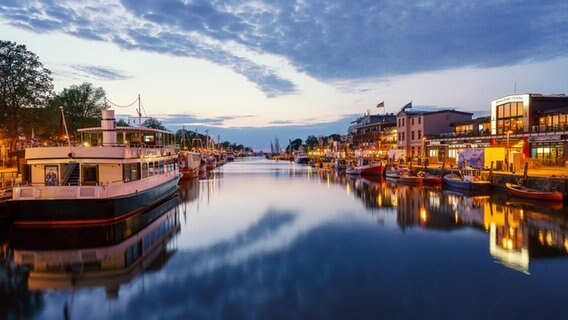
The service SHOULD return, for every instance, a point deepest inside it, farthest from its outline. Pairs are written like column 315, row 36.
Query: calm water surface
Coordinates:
column 260, row 239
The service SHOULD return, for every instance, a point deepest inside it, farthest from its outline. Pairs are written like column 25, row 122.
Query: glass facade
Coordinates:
column 510, row 117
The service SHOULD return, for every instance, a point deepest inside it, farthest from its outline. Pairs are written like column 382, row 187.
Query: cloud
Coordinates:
column 100, row 72
column 336, row 40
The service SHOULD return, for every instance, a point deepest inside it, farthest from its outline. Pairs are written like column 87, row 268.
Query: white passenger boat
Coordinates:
column 113, row 173
column 189, row 164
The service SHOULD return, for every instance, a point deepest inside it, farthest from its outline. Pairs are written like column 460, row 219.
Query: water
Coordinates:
column 261, row 239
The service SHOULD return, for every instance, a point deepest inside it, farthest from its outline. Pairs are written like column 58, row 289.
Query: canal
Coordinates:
column 262, row 239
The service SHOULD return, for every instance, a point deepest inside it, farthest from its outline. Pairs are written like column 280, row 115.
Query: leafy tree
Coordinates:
column 312, row 142
column 122, row 123
column 154, row 124
column 294, row 144
column 24, row 84
column 82, row 106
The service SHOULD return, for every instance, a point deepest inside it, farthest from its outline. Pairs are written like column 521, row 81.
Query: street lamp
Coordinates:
column 508, row 148
column 424, row 149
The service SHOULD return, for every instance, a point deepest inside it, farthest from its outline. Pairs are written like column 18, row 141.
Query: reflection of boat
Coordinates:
column 516, row 201
column 96, row 256
column 524, row 192
column 366, row 168
column 189, row 164
column 406, row 177
column 115, row 172
column 469, row 180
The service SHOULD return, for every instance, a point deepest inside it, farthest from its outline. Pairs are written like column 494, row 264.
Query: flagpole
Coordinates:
column 65, row 126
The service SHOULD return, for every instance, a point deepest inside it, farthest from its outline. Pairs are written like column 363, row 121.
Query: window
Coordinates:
column 412, row 121
column 419, row 134
column 419, row 120
column 130, row 172
column 412, row 135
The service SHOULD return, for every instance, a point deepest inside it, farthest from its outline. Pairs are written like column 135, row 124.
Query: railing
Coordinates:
column 58, row 192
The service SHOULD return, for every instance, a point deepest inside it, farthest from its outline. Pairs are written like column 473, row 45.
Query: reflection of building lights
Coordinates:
column 549, row 238
column 423, row 215
column 86, row 144
column 457, row 217
column 566, row 245
column 507, row 243
column 540, row 237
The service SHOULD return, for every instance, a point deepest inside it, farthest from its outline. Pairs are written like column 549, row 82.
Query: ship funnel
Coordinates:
column 108, row 125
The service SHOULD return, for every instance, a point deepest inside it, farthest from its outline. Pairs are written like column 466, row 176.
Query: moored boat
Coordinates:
column 189, row 164
column 301, row 158
column 364, row 167
column 429, row 178
column 115, row 172
column 470, row 179
column 529, row 193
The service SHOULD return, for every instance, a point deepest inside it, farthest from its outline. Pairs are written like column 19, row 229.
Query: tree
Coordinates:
column 122, row 123
column 312, row 142
column 154, row 124
column 294, row 144
column 82, row 105
column 24, row 84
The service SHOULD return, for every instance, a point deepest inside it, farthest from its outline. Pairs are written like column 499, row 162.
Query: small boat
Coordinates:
column 470, row 179
column 529, row 193
column 115, row 172
column 394, row 174
column 406, row 177
column 366, row 168
column 429, row 178
column 301, row 158
column 189, row 164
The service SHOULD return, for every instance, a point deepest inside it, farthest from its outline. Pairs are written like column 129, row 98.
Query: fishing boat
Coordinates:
column 364, row 167
column 189, row 164
column 113, row 173
column 470, row 179
column 535, row 194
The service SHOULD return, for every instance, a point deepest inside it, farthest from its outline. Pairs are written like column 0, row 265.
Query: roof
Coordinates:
column 421, row 112
column 558, row 110
column 472, row 121
column 131, row 129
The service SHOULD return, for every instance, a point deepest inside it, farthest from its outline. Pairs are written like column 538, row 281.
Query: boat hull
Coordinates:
column 370, row 170
column 88, row 211
column 521, row 192
column 466, row 185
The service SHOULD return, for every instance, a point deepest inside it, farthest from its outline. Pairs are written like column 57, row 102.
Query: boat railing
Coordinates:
column 31, row 192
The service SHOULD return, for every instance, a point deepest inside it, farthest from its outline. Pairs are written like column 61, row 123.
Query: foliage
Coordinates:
column 312, row 142
column 154, row 124
column 24, row 84
column 82, row 106
column 122, row 123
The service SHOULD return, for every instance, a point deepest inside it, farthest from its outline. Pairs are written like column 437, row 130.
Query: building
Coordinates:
column 414, row 128
column 527, row 127
column 372, row 131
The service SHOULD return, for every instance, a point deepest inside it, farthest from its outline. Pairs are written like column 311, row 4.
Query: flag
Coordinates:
column 381, row 104
column 407, row 106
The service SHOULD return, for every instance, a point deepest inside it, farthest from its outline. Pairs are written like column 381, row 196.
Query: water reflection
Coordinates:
column 106, row 256
column 519, row 229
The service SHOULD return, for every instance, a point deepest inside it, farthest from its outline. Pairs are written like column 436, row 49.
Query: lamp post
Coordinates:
column 508, row 148
column 424, row 150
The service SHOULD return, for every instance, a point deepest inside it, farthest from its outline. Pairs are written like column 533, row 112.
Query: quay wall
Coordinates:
column 546, row 183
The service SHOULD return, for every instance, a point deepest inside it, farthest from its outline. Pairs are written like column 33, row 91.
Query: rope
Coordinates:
column 119, row 106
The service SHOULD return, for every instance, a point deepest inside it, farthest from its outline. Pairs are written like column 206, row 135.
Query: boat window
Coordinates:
column 144, row 170
column 89, row 174
column 131, row 172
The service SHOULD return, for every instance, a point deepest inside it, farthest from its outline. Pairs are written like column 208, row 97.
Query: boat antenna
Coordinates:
column 65, row 126
column 139, row 111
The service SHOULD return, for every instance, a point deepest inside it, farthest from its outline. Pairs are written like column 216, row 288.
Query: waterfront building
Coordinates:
column 372, row 132
column 415, row 127
column 527, row 127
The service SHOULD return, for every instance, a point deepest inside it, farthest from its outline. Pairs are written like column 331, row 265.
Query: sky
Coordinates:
column 251, row 71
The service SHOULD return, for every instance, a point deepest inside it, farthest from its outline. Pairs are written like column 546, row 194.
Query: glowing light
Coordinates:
column 423, row 215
